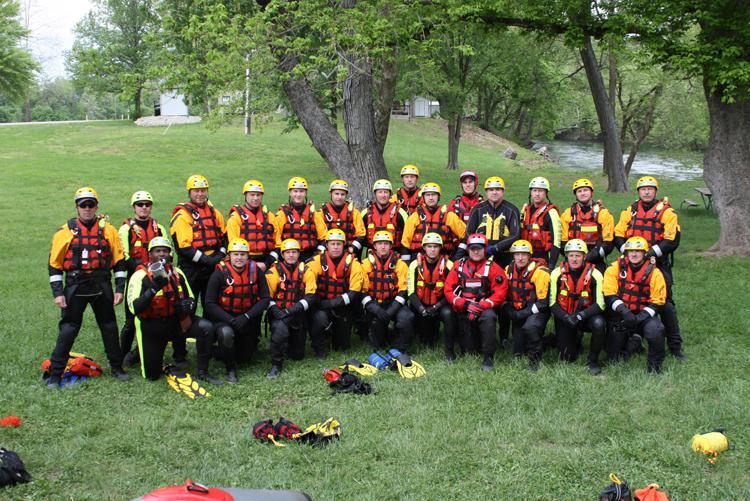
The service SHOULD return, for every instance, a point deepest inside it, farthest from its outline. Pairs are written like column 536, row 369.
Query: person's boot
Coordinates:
column 53, row 382
column 633, row 345
column 594, row 368
column 231, row 376
column 679, row 356
column 120, row 374
column 204, row 375
column 449, row 356
column 274, row 372
column 653, row 368
column 131, row 358
column 488, row 364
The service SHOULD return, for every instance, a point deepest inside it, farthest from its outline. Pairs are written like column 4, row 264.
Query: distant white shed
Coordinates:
column 172, row 104
column 424, row 107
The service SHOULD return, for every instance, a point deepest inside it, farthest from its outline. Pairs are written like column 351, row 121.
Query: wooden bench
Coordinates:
column 689, row 203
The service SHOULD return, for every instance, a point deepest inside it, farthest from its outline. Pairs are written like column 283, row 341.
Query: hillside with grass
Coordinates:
column 458, row 433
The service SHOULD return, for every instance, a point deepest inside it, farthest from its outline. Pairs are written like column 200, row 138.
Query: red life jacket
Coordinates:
column 573, row 296
column 585, row 225
column 291, row 288
column 163, row 304
column 409, row 201
column 432, row 221
column 521, row 289
column 386, row 220
column 532, row 228
column 301, row 227
column 140, row 237
column 383, row 278
column 463, row 204
column 342, row 219
column 334, row 280
column 647, row 223
column 88, row 250
column 633, row 288
column 430, row 284
column 206, row 230
column 240, row 290
column 256, row 228
column 474, row 279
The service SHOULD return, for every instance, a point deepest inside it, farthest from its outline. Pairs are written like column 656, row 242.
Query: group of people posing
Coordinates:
column 392, row 273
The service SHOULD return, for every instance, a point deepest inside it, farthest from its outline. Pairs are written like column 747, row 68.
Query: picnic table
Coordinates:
column 706, row 197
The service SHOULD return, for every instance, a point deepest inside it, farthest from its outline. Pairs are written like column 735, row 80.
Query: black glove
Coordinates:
column 212, row 260
column 186, row 306
column 642, row 317
column 375, row 310
column 296, row 309
column 239, row 322
column 326, row 304
column 277, row 313
column 393, row 309
column 433, row 311
column 629, row 320
column 337, row 302
column 524, row 313
column 423, row 312
column 571, row 321
column 593, row 255
column 160, row 282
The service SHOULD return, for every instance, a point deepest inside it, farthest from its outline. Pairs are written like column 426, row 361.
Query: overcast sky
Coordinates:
column 51, row 23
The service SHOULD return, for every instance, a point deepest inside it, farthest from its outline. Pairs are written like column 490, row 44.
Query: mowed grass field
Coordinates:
column 458, row 433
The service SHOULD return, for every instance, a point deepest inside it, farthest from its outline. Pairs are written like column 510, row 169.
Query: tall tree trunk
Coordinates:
column 617, row 180
column 644, row 129
column 526, row 139
column 606, row 159
column 358, row 159
column 137, row 102
column 726, row 170
column 454, row 138
column 412, row 112
column 386, row 92
column 333, row 110
column 521, row 120
column 480, row 105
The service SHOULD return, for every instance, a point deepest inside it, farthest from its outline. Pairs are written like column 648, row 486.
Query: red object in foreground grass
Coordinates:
column 13, row 421
column 332, row 375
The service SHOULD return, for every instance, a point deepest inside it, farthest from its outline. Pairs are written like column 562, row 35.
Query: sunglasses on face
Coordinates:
column 87, row 205
column 143, row 204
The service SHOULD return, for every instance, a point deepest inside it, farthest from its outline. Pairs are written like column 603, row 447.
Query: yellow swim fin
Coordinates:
column 183, row 382
column 363, row 369
column 408, row 368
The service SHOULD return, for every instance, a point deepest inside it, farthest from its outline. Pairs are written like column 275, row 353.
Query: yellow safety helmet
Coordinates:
column 494, row 182
column 141, row 196
column 289, row 244
column 196, row 181
column 382, row 184
column 86, row 193
column 253, row 186
column 159, row 242
column 297, row 183
column 431, row 188
column 539, row 182
column 636, row 243
column 432, row 238
column 238, row 245
column 576, row 245
column 582, row 183
column 521, row 246
column 338, row 184
column 410, row 169
column 382, row 236
column 647, row 181
column 335, row 235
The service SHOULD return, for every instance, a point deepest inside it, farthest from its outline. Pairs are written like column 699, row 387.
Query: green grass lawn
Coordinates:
column 458, row 433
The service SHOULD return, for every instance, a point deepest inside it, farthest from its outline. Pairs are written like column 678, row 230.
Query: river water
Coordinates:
column 580, row 155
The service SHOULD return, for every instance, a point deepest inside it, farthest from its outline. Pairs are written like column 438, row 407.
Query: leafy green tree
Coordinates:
column 17, row 67
column 114, row 49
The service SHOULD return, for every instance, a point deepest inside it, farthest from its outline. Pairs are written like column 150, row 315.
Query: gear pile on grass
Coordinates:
column 317, row 435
